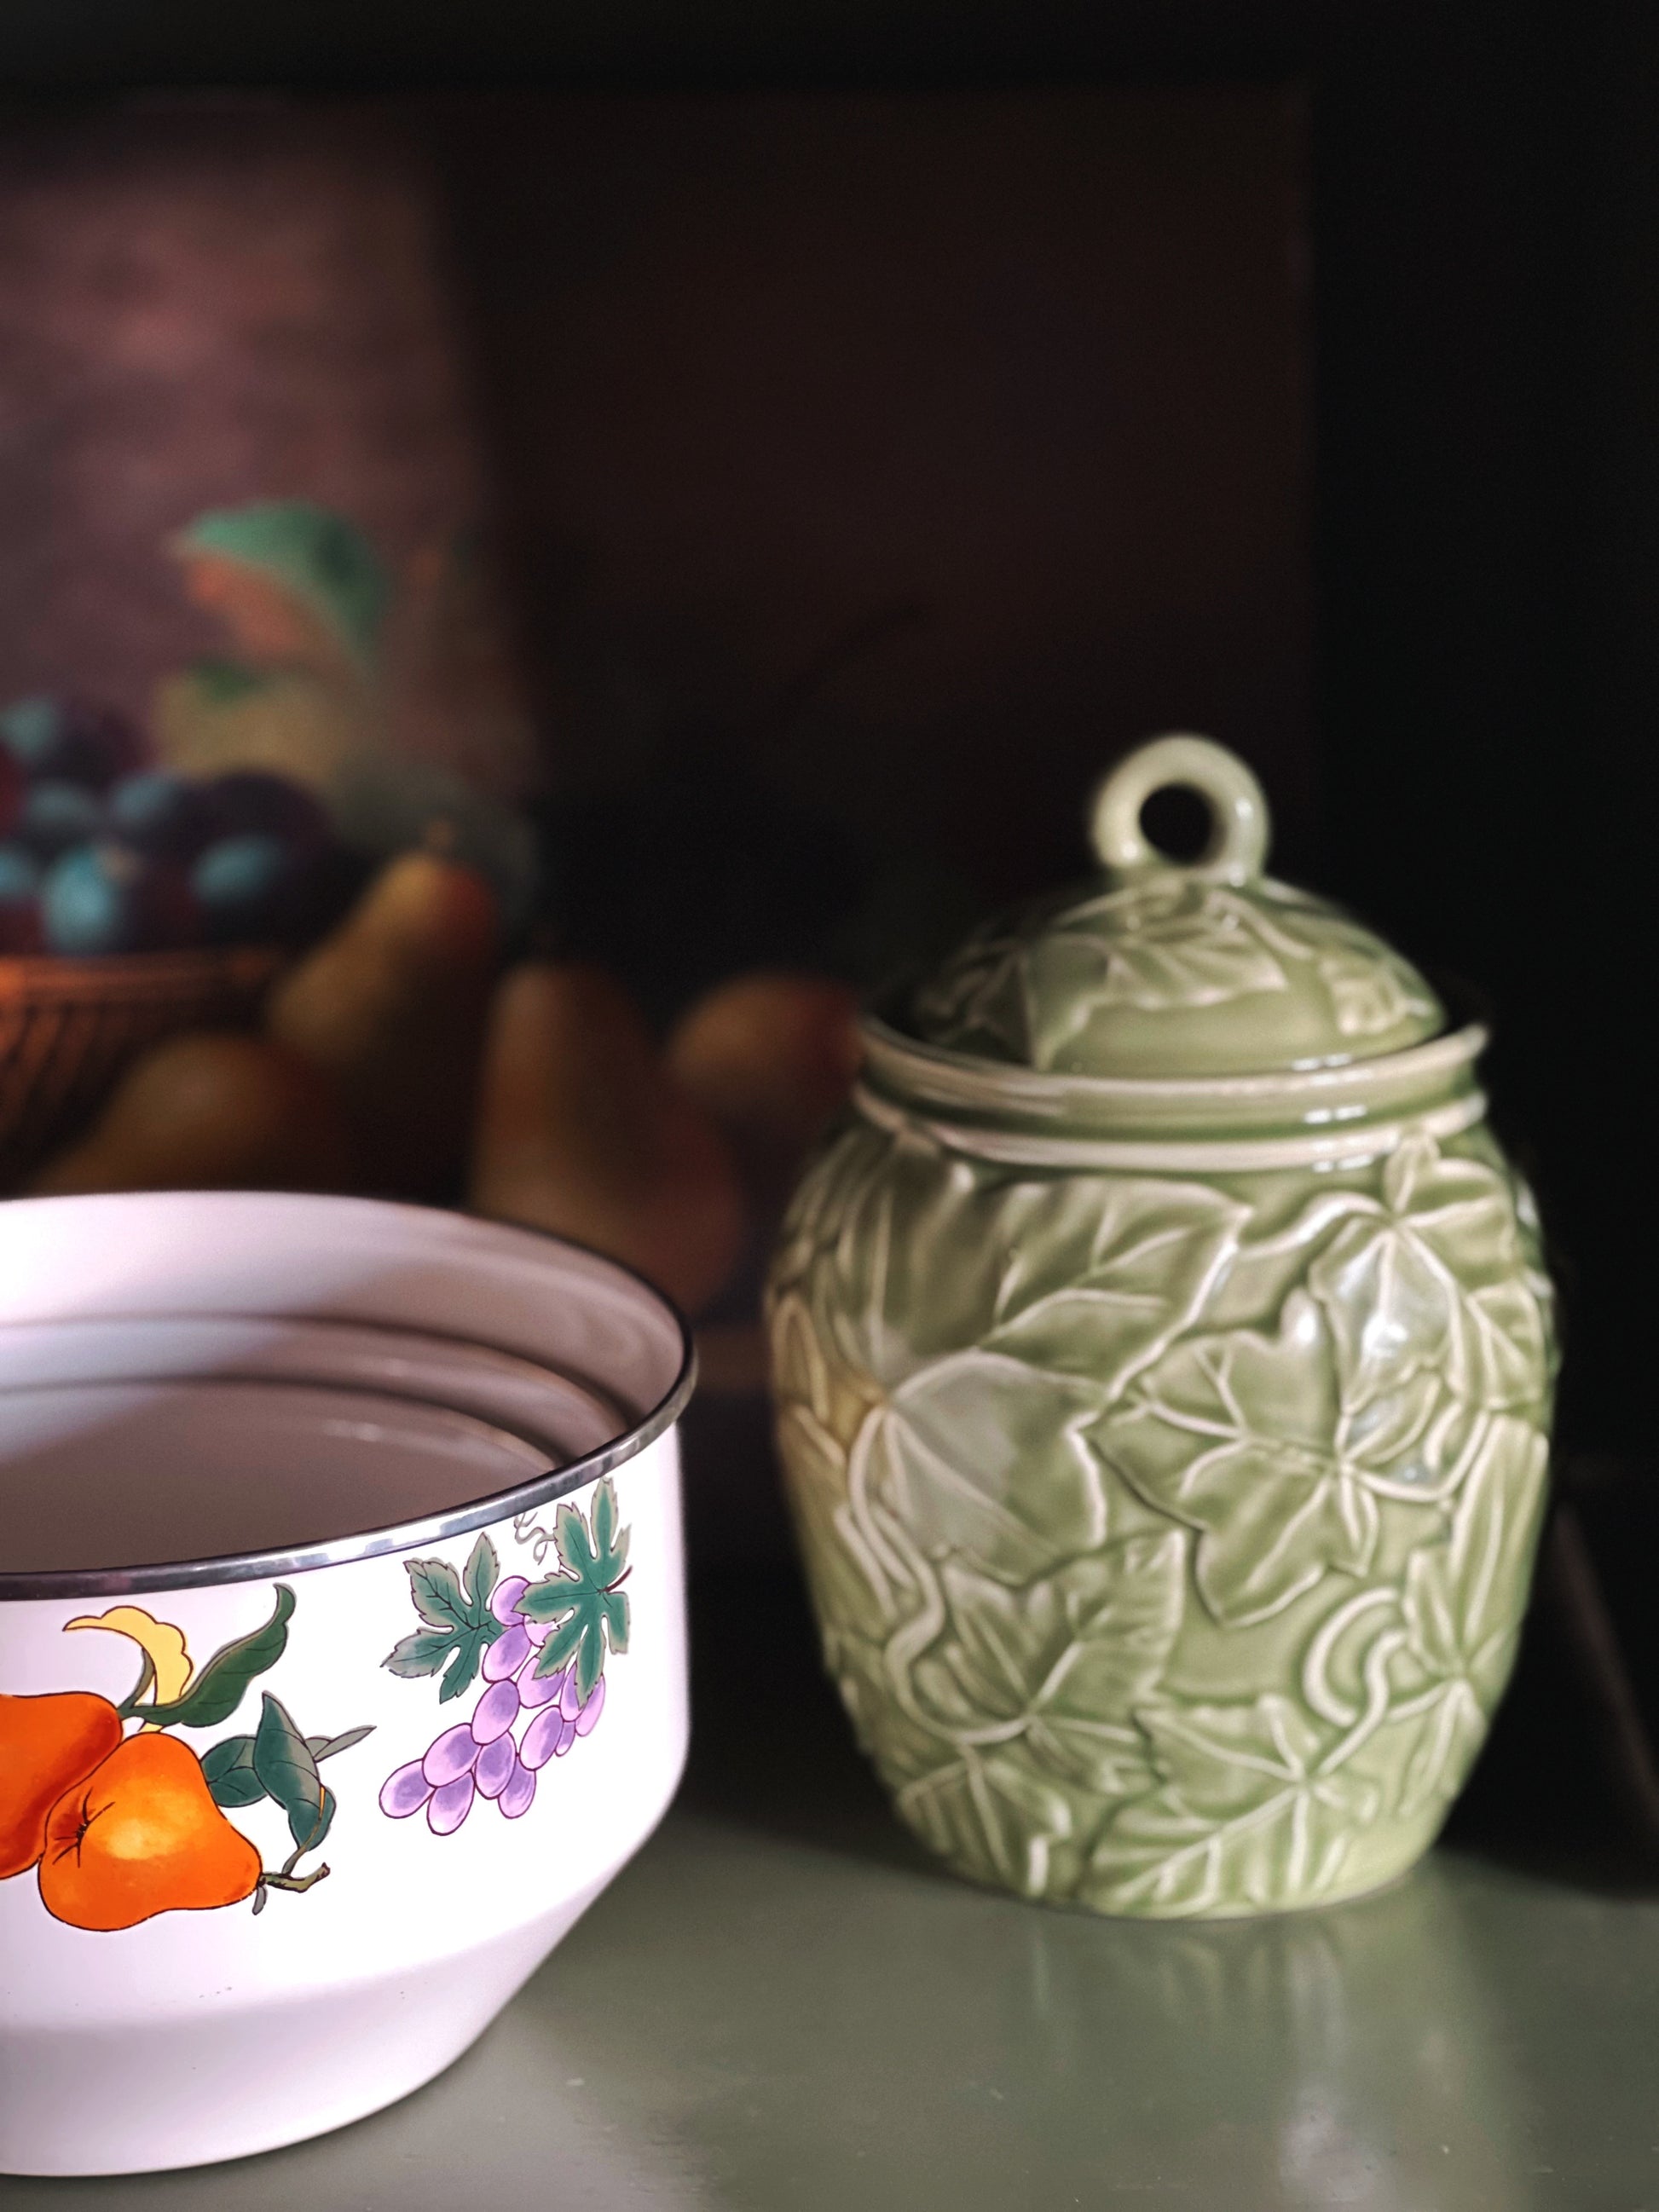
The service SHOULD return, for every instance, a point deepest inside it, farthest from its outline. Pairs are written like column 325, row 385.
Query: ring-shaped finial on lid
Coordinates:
column 1170, row 969
column 1239, row 823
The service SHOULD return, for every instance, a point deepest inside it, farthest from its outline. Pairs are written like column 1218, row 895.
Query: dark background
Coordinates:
column 1484, row 217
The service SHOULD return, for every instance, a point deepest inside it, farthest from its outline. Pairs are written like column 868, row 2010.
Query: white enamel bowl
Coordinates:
column 253, row 1448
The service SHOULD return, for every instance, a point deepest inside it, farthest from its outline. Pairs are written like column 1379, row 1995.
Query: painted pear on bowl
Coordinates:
column 47, row 1744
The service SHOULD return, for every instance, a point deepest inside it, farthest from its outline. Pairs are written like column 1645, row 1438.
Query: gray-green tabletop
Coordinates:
column 780, row 2007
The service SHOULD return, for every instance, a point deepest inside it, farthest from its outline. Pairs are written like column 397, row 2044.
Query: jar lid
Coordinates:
column 1161, row 968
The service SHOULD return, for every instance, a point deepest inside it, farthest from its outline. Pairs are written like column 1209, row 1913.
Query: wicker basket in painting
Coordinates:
column 69, row 1027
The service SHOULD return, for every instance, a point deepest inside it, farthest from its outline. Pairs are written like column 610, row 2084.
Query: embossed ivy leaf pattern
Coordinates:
column 903, row 1747
column 1235, row 1435
column 979, row 1005
column 1100, row 1274
column 992, row 1382
column 897, row 1293
column 1248, row 1815
column 1027, row 994
column 991, row 1817
column 1434, row 1281
column 1369, row 993
column 982, row 1455
column 1172, row 945
column 1090, row 1275
column 844, row 1569
column 1458, row 1612
column 1061, row 1663
column 850, row 1167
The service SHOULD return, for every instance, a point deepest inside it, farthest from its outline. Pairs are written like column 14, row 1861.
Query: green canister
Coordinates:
column 1163, row 1358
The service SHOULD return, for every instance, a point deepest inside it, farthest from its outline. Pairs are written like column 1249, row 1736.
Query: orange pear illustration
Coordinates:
column 47, row 1745
column 141, row 1835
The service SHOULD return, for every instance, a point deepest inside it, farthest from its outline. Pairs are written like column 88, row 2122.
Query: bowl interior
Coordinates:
column 118, row 1474
column 562, row 1418
column 227, row 1376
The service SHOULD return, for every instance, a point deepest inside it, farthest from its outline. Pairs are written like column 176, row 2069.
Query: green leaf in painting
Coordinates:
column 462, row 1669
column 460, row 1627
column 217, row 1690
column 231, row 1779
column 479, row 1578
column 610, row 1544
column 331, row 1746
column 561, row 1646
column 227, row 1768
column 583, row 1603
column 436, row 1590
column 286, row 1767
column 305, row 576
column 574, row 1549
column 324, row 1822
column 423, row 1651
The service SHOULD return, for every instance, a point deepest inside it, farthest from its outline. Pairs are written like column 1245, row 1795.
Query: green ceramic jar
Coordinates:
column 1163, row 1358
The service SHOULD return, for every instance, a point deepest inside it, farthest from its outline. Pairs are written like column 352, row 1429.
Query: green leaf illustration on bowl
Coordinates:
column 585, row 1606
column 216, row 1691
column 460, row 1626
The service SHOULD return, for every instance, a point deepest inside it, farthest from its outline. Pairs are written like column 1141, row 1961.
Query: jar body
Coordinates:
column 1169, row 1529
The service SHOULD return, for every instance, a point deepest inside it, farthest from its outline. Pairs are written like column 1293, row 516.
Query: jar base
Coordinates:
column 1384, row 1866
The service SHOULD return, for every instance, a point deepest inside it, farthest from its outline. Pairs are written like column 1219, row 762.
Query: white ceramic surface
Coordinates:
column 206, row 2029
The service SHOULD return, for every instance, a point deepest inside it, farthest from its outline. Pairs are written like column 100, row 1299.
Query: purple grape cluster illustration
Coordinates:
column 540, row 1648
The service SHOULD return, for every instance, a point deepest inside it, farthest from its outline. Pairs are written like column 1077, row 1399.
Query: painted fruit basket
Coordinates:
column 69, row 1027
column 1164, row 1358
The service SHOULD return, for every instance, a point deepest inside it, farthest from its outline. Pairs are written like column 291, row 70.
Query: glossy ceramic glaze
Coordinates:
column 328, row 1798
column 1168, row 1450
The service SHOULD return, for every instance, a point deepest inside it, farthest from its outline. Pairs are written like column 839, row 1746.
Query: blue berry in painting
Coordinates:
column 246, row 887
column 52, row 737
column 158, row 811
column 99, row 900
column 56, row 816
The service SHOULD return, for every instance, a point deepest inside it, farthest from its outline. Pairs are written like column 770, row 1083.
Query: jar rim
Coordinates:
column 1308, row 1115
